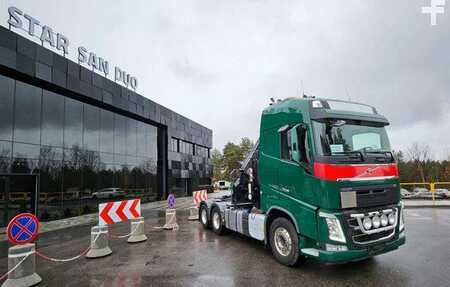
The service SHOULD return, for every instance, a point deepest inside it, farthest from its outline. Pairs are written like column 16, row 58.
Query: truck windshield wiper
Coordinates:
column 351, row 154
column 381, row 152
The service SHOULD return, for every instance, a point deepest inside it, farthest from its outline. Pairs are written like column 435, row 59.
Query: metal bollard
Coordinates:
column 171, row 219
column 25, row 274
column 193, row 213
column 137, row 230
column 99, row 242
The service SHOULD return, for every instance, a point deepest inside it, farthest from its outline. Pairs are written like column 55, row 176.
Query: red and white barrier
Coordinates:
column 113, row 212
column 199, row 196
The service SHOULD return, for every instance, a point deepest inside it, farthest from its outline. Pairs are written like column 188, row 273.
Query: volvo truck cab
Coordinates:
column 321, row 182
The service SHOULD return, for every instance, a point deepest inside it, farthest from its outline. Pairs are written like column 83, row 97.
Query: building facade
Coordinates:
column 71, row 138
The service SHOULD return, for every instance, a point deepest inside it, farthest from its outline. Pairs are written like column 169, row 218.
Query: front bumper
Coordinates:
column 355, row 255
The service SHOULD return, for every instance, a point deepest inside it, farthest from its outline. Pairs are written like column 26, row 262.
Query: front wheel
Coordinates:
column 284, row 242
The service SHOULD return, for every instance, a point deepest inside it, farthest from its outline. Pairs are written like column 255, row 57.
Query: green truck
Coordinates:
column 321, row 182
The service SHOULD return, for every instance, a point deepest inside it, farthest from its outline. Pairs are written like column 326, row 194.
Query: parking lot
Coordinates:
column 193, row 256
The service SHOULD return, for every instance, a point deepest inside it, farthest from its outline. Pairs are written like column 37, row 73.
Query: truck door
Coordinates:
column 295, row 172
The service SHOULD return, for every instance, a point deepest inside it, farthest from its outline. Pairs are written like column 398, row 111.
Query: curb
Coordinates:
column 426, row 206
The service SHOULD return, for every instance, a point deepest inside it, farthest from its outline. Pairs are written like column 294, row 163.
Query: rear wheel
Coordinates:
column 216, row 222
column 284, row 242
column 203, row 214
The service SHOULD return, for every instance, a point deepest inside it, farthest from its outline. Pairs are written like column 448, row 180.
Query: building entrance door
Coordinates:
column 18, row 193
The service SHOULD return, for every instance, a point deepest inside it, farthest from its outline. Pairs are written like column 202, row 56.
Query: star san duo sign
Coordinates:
column 58, row 41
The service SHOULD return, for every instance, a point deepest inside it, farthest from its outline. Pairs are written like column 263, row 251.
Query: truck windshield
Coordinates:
column 338, row 137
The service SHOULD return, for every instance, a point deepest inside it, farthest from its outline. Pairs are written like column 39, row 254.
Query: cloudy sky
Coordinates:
column 219, row 62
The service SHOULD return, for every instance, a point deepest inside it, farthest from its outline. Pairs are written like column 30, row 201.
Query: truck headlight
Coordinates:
column 334, row 227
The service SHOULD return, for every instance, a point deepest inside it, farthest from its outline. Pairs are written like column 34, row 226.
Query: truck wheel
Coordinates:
column 203, row 214
column 284, row 242
column 216, row 222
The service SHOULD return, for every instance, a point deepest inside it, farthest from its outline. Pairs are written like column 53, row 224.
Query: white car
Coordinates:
column 405, row 193
column 442, row 192
column 112, row 192
column 222, row 185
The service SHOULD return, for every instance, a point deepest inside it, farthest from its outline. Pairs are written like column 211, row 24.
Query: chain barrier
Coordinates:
column 112, row 236
column 15, row 267
column 48, row 258
column 170, row 224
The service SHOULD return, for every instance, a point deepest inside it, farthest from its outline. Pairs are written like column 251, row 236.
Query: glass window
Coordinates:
column 26, row 150
column 73, row 125
column 91, row 127
column 5, row 155
column 131, row 137
column 141, row 139
column 52, row 119
column 120, row 134
column 72, row 189
column 27, row 114
column 49, row 153
column 151, row 142
column 337, row 137
column 50, row 195
column 286, row 142
column 6, row 107
column 107, row 132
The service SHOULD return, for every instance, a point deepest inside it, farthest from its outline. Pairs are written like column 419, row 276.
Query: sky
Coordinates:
column 219, row 62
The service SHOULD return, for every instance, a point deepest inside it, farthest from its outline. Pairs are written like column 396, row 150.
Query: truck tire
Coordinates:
column 216, row 222
column 284, row 242
column 203, row 217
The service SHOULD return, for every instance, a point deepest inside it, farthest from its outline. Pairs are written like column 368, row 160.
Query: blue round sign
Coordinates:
column 23, row 228
column 171, row 201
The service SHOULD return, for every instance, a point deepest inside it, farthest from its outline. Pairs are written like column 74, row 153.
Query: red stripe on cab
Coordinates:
column 334, row 172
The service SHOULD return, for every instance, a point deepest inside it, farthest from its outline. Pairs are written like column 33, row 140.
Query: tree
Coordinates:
column 217, row 162
column 420, row 155
column 230, row 159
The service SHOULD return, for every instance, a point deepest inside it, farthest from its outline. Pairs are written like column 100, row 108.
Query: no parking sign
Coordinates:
column 23, row 228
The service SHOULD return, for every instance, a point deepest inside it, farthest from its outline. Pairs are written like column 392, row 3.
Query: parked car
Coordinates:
column 222, row 185
column 405, row 193
column 442, row 192
column 424, row 193
column 111, row 192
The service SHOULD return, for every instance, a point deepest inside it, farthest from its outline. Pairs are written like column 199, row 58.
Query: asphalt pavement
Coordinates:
column 193, row 256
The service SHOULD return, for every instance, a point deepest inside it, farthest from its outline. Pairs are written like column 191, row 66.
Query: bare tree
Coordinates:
column 419, row 154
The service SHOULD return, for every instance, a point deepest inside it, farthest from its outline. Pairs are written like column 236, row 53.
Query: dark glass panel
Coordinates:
column 131, row 137
column 52, row 119
column 141, row 138
column 151, row 143
column 5, row 156
column 50, row 194
column 107, row 132
column 106, row 158
column 106, row 176
column 72, row 188
column 73, row 124
column 27, row 114
column 6, row 107
column 91, row 130
column 120, row 134
column 26, row 151
column 49, row 153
